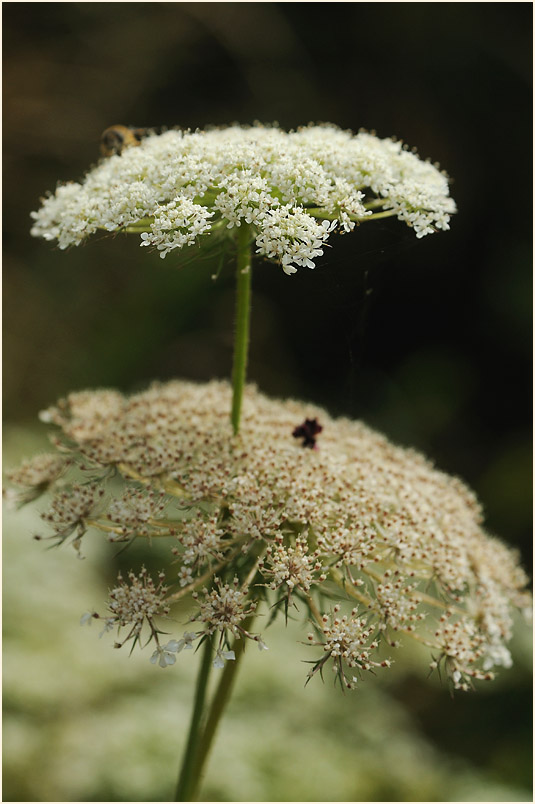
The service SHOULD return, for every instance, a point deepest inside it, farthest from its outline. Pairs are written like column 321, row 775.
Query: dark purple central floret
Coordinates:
column 308, row 432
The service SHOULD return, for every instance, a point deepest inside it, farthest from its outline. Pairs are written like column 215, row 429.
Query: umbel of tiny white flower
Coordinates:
column 260, row 522
column 293, row 188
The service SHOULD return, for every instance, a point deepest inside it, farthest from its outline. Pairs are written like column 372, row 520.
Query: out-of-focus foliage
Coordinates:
column 428, row 341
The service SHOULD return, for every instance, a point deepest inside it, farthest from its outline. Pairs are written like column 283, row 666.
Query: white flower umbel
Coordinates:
column 33, row 477
column 176, row 225
column 291, row 236
column 178, row 187
column 265, row 521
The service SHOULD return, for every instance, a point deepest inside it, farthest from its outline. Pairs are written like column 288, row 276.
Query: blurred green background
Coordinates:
column 429, row 341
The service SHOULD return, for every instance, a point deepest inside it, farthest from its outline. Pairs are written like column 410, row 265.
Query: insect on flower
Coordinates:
column 308, row 432
column 116, row 138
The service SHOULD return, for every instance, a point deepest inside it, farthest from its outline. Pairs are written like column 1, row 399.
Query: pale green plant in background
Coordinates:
column 272, row 509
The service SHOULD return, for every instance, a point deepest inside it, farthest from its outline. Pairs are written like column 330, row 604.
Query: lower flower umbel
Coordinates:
column 258, row 524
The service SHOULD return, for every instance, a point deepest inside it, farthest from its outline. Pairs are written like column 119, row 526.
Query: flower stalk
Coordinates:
column 187, row 780
column 200, row 739
column 219, row 702
column 243, row 314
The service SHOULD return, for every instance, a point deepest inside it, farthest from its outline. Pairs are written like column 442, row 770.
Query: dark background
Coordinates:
column 429, row 341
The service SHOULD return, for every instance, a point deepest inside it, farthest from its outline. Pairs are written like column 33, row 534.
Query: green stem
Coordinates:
column 243, row 309
column 388, row 213
column 219, row 702
column 187, row 782
column 317, row 212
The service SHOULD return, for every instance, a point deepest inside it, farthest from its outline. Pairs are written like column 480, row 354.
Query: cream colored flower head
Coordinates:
column 365, row 541
column 294, row 188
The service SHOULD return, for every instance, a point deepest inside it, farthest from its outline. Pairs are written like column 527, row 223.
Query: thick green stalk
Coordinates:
column 187, row 781
column 243, row 310
column 200, row 740
column 219, row 702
